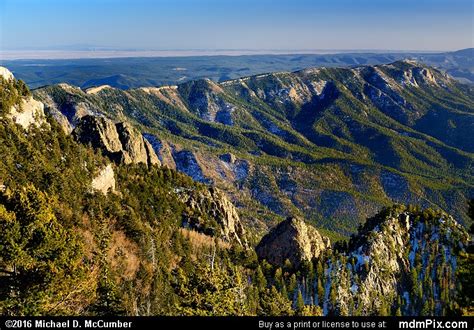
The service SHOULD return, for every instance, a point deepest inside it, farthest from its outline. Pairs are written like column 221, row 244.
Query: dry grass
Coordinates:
column 123, row 256
column 199, row 240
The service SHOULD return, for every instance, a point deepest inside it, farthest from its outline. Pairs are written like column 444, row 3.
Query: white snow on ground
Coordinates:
column 327, row 288
column 354, row 288
column 362, row 259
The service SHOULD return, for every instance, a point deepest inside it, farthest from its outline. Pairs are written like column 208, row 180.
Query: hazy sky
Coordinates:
column 237, row 24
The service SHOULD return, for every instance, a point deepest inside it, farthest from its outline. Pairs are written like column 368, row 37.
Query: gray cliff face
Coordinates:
column 30, row 112
column 381, row 266
column 294, row 240
column 211, row 206
column 120, row 142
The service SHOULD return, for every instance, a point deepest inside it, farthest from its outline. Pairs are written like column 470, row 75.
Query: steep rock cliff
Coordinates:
column 401, row 261
column 210, row 211
column 120, row 142
column 294, row 240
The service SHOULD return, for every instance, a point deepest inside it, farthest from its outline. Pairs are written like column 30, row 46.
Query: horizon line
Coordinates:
column 104, row 53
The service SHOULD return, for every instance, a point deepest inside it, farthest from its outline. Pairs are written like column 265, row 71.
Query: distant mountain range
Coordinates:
column 136, row 72
column 171, row 200
column 332, row 145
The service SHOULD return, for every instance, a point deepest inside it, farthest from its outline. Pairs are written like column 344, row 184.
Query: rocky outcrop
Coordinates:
column 120, row 142
column 29, row 112
column 204, row 99
column 136, row 149
column 380, row 263
column 214, row 203
column 393, row 255
column 162, row 149
column 104, row 182
column 6, row 74
column 294, row 240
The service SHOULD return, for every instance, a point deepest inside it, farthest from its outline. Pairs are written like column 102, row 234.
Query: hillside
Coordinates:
column 86, row 232
column 332, row 145
column 403, row 261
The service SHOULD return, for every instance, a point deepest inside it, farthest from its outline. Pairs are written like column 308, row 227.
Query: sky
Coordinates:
column 237, row 24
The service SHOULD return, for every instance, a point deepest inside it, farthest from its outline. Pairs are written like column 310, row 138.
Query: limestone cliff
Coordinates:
column 397, row 260
column 25, row 110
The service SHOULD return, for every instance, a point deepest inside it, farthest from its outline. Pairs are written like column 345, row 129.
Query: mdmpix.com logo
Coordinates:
column 432, row 324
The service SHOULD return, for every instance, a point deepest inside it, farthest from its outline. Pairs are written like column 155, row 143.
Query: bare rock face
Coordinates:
column 215, row 203
column 377, row 268
column 104, row 182
column 162, row 149
column 294, row 240
column 6, row 74
column 381, row 261
column 30, row 112
column 120, row 142
column 136, row 148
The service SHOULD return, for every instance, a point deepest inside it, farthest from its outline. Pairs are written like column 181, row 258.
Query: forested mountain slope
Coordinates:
column 85, row 232
column 332, row 145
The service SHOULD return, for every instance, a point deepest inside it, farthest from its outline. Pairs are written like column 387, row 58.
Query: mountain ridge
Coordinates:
column 138, row 72
column 359, row 121
column 84, row 235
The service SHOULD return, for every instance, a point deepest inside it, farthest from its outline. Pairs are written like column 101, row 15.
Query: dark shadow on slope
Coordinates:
column 311, row 112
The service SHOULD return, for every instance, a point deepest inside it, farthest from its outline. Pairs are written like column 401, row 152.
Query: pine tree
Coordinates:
column 259, row 279
column 292, row 286
column 398, row 312
column 333, row 296
column 279, row 282
column 320, row 291
column 40, row 256
column 299, row 304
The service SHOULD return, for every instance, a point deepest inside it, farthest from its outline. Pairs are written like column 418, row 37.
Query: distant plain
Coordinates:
column 133, row 69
